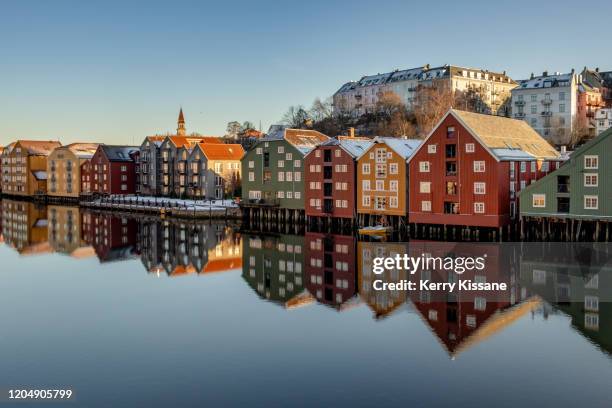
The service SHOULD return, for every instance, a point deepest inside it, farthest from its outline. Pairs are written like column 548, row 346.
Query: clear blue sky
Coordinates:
column 117, row 71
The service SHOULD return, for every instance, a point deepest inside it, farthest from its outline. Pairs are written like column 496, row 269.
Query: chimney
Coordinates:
column 532, row 76
column 351, row 132
column 563, row 150
column 573, row 70
column 545, row 73
column 597, row 69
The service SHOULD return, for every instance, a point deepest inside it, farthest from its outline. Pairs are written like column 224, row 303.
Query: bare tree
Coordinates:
column 296, row 117
column 430, row 105
column 232, row 130
column 321, row 110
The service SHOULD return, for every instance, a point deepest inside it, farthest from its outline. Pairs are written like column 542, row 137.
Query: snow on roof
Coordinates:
column 513, row 154
column 303, row 140
column 355, row 147
column 119, row 153
column 547, row 81
column 40, row 174
column 403, row 147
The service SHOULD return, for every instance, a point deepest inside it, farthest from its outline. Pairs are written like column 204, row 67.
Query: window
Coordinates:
column 450, row 132
column 591, row 303
column 280, row 194
column 523, row 167
column 545, row 166
column 289, row 176
column 590, row 180
column 393, row 185
column 281, row 149
column 479, row 166
column 365, row 201
column 365, row 168
column 561, row 107
column 479, row 208
column 425, row 205
column 538, row 200
column 258, row 150
column 480, row 303
column 534, row 98
column 591, row 202
column 297, row 176
column 425, row 187
column 534, row 109
column 561, row 96
column 289, row 156
column 424, row 167
column 393, row 168
column 469, row 147
column 591, row 162
column 381, row 170
column 381, row 155
column 533, row 167
column 431, row 149
column 365, row 185
column 281, row 176
column 393, row 202
column 380, row 203
column 380, row 185
column 479, row 188
column 337, row 153
column 123, row 168
column 297, row 164
column 281, row 163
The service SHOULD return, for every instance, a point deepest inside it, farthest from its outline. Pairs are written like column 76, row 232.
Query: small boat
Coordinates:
column 377, row 231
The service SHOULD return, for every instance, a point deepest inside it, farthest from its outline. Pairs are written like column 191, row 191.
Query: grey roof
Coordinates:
column 404, row 147
column 512, row 154
column 354, row 147
column 119, row 153
column 548, row 81
column 40, row 175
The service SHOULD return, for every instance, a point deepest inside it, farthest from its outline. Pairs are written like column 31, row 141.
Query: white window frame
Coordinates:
column 426, row 206
column 470, row 148
column 479, row 208
column 425, row 187
column 432, row 148
column 591, row 197
column 479, row 166
column 588, row 162
column 538, row 197
column 477, row 185
column 590, row 176
column 424, row 167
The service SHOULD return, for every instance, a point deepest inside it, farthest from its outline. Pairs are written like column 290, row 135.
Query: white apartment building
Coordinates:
column 549, row 104
column 602, row 120
column 360, row 97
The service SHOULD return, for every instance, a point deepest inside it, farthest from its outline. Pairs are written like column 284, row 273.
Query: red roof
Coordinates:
column 215, row 151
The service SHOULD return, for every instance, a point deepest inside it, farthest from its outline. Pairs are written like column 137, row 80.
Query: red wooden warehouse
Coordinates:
column 113, row 170
column 469, row 169
column 330, row 179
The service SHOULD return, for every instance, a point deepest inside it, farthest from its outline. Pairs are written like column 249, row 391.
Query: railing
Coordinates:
column 519, row 103
column 546, row 102
column 547, row 113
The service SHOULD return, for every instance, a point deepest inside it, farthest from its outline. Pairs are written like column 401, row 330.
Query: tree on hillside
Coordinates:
column 431, row 103
column 321, row 110
column 392, row 118
column 296, row 117
column 233, row 129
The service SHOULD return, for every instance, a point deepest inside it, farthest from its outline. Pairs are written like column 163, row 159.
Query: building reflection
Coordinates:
column 382, row 302
column 179, row 248
column 114, row 238
column 273, row 266
column 24, row 227
column 575, row 279
column 330, row 269
column 64, row 232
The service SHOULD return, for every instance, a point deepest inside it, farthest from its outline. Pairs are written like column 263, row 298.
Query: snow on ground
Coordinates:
column 166, row 202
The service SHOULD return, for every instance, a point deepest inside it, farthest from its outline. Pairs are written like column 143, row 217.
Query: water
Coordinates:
column 142, row 312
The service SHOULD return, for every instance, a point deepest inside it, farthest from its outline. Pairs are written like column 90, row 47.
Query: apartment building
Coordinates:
column 212, row 170
column 160, row 156
column 602, row 120
column 25, row 167
column 549, row 104
column 490, row 89
column 64, row 169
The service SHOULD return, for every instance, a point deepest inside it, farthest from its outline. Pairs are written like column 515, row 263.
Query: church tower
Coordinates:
column 180, row 130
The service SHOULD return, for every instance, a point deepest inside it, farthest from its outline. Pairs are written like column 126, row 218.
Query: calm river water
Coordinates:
column 143, row 312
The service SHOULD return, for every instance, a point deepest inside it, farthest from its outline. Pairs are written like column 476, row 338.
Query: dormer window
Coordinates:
column 450, row 132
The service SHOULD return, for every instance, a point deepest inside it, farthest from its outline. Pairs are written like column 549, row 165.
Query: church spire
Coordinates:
column 180, row 131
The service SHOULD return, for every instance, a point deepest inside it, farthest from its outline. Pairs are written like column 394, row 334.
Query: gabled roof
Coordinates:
column 302, row 139
column 214, row 151
column 119, row 153
column 403, row 147
column 190, row 141
column 38, row 147
column 156, row 140
column 353, row 146
column 503, row 138
column 497, row 132
column 82, row 150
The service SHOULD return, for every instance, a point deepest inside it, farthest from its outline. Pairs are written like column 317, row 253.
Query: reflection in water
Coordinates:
column 336, row 270
column 173, row 247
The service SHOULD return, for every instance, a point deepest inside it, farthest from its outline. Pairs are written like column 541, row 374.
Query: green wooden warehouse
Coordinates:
column 273, row 175
column 575, row 201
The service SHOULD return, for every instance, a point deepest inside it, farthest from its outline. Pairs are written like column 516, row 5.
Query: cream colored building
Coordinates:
column 25, row 172
column 490, row 89
column 64, row 169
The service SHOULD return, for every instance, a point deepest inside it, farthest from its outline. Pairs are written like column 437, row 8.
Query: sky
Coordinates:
column 116, row 71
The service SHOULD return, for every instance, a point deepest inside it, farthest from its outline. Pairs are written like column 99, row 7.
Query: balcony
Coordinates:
column 546, row 102
column 519, row 115
column 546, row 114
column 261, row 202
column 519, row 103
column 328, row 206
